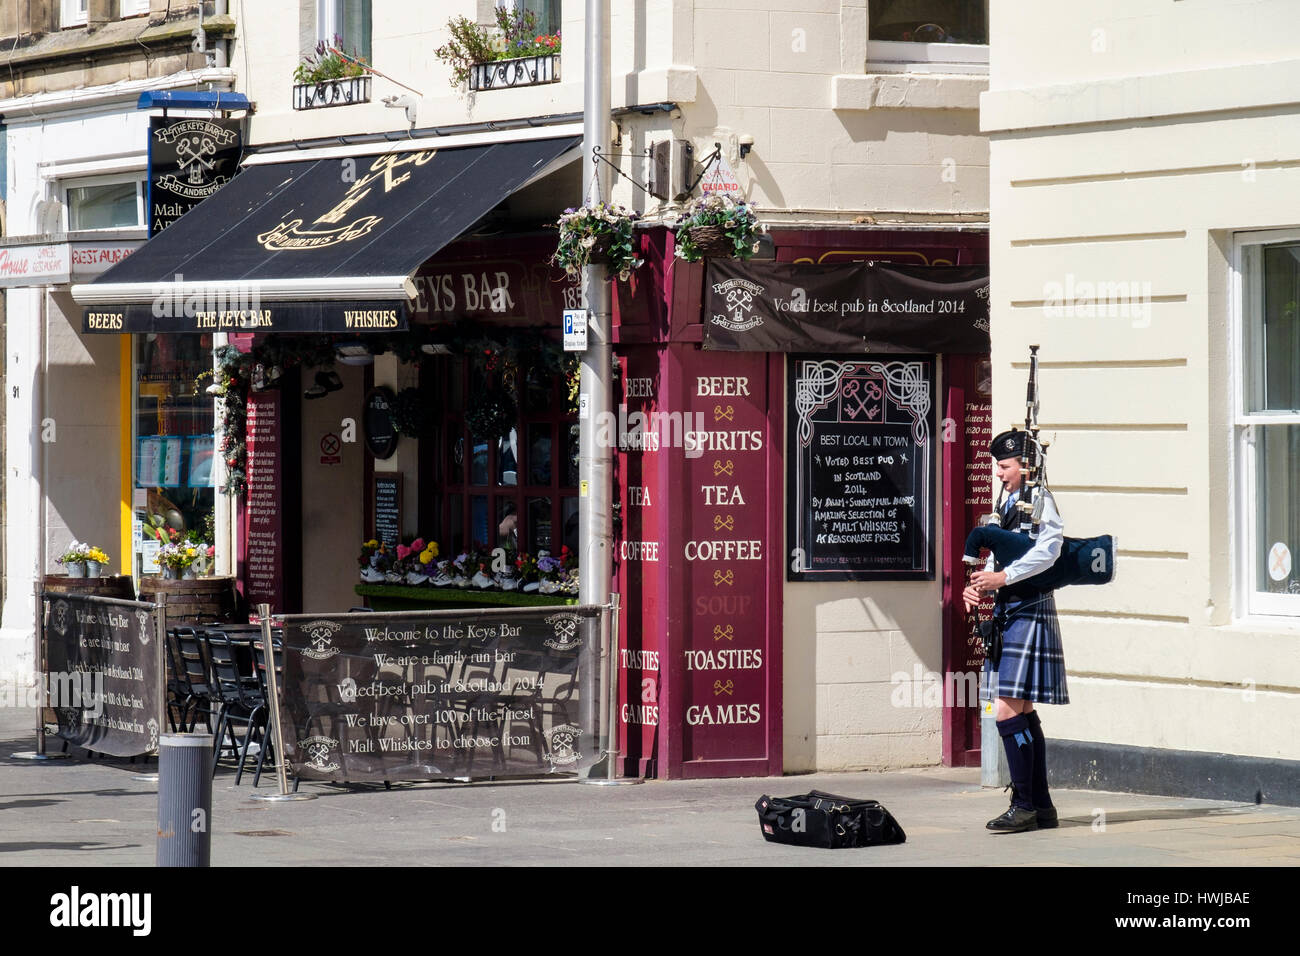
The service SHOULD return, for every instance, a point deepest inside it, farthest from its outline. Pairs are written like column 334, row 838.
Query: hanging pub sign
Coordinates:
column 381, row 433
column 189, row 160
column 861, row 465
column 857, row 307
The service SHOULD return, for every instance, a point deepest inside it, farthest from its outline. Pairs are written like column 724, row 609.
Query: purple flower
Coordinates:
column 548, row 564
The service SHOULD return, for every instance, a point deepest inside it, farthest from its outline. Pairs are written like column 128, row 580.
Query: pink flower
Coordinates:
column 417, row 544
column 212, row 550
column 403, row 552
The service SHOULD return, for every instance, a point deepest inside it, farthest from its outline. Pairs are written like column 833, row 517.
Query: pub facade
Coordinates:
column 771, row 596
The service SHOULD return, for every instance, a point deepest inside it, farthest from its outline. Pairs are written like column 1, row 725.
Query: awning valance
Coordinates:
column 852, row 308
column 325, row 245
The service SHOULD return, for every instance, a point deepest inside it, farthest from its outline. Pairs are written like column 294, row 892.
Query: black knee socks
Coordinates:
column 1018, row 741
column 1042, row 800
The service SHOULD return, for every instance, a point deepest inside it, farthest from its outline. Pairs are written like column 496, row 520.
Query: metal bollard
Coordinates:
column 184, row 799
column 994, row 771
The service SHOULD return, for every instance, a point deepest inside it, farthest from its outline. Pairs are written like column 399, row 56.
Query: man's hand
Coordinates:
column 982, row 582
column 988, row 580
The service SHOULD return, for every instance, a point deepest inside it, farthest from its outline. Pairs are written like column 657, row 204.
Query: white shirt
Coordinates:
column 1046, row 547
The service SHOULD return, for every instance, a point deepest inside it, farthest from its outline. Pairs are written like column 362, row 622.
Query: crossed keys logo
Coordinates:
column 197, row 143
column 737, row 300
column 720, row 688
column 564, row 745
column 724, row 630
column 861, row 399
column 720, row 412
column 59, row 619
column 724, row 577
column 727, row 467
column 566, row 636
column 319, row 751
column 321, row 634
column 721, row 523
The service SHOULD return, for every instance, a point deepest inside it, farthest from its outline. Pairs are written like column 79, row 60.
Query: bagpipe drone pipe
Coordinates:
column 1082, row 560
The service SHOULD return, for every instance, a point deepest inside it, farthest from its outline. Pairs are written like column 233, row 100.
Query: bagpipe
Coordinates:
column 1082, row 560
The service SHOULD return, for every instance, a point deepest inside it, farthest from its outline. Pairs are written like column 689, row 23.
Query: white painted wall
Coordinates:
column 59, row 374
column 1136, row 162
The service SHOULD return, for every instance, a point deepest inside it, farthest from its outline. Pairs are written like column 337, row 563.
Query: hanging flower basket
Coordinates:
column 717, row 226
column 601, row 234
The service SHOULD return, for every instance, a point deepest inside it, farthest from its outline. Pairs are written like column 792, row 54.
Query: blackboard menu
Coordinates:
column 388, row 508
column 860, row 460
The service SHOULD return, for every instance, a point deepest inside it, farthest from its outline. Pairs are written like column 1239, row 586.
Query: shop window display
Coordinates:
column 172, row 448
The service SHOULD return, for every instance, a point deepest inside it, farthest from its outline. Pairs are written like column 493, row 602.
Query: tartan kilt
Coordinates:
column 1033, row 662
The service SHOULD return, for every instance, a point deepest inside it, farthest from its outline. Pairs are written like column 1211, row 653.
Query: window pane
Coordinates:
column 478, row 519
column 1277, row 496
column 455, row 456
column 507, row 524
column 103, row 207
column 539, row 525
column 571, row 463
column 455, row 541
column 546, row 11
column 539, row 454
column 1272, row 327
column 507, row 459
column 570, row 509
column 355, row 28
column 929, row 21
column 478, row 468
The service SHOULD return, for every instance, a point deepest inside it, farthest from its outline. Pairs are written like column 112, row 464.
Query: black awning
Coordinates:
column 324, row 245
column 851, row 308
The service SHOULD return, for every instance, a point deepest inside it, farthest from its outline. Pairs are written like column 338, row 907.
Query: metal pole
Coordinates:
column 42, row 689
column 595, row 525
column 612, row 752
column 273, row 714
column 184, row 800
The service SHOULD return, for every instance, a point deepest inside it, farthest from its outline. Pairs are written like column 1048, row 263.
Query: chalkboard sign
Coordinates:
column 860, row 457
column 381, row 434
column 388, row 508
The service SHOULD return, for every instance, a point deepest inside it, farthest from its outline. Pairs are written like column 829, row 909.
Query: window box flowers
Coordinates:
column 178, row 560
column 509, row 54
column 329, row 78
column 717, row 226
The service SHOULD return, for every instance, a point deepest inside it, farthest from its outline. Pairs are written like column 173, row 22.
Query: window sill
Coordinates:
column 914, row 91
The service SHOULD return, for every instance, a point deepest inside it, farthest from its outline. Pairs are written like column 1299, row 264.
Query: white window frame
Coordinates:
column 141, row 198
column 74, row 13
column 329, row 19
column 134, row 8
column 1250, row 601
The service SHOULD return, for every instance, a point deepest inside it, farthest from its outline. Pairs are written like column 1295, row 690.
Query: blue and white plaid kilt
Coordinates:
column 1033, row 663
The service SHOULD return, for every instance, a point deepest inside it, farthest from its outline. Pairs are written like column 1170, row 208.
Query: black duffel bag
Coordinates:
column 825, row 820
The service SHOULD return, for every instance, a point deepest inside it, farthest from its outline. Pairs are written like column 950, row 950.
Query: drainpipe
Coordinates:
column 595, row 525
column 221, row 51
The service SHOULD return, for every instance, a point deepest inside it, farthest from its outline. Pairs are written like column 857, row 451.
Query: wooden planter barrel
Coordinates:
column 117, row 586
column 195, row 601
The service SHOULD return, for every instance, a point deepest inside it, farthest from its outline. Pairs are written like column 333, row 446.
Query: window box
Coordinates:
column 522, row 71
column 341, row 92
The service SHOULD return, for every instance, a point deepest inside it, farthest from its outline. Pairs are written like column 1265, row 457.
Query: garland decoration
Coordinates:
column 493, row 414
column 410, row 414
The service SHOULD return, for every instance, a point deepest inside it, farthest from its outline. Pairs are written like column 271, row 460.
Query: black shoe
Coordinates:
column 1047, row 818
column 1015, row 820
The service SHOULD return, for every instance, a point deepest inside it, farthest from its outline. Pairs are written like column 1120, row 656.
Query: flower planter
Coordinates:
column 523, row 71
column 76, row 569
column 713, row 242
column 341, row 92
column 93, row 569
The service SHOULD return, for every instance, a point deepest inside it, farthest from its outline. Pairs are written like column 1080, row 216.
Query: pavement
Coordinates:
column 93, row 813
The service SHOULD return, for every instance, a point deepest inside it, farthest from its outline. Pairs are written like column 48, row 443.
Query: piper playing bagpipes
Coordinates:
column 1030, row 557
